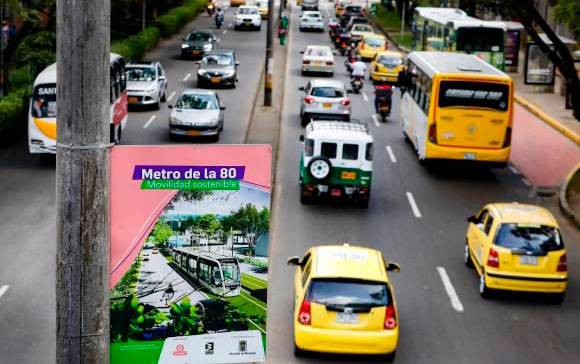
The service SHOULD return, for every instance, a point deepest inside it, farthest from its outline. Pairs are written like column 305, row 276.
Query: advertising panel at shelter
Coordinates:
column 189, row 253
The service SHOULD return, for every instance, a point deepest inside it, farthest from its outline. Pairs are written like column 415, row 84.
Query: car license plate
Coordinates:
column 528, row 260
column 346, row 318
column 335, row 192
column 192, row 132
column 327, row 105
column 469, row 156
column 322, row 188
column 215, row 80
column 132, row 100
column 383, row 78
column 317, row 63
column 349, row 190
column 348, row 175
column 194, row 53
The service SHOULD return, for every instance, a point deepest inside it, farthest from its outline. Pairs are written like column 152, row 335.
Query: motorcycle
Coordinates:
column 383, row 101
column 350, row 57
column 219, row 20
column 332, row 30
column 210, row 9
column 356, row 83
column 342, row 41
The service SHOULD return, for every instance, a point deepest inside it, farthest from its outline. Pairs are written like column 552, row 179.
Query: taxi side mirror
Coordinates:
column 301, row 88
column 472, row 219
column 301, row 138
column 393, row 267
column 170, row 106
column 293, row 261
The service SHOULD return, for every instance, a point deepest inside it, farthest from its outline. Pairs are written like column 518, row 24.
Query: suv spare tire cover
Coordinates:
column 319, row 168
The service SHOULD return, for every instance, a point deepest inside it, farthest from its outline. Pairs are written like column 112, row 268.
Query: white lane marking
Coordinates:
column 365, row 96
column 151, row 119
column 171, row 96
column 513, row 169
column 413, row 204
column 391, row 154
column 187, row 76
column 225, row 31
column 376, row 120
column 526, row 182
column 455, row 302
column 3, row 289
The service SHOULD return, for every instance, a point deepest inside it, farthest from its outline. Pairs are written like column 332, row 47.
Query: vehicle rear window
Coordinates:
column 328, row 150
column 350, row 152
column 349, row 293
column 390, row 61
column 375, row 42
column 327, row 92
column 529, row 238
column 474, row 94
column 318, row 52
column 369, row 152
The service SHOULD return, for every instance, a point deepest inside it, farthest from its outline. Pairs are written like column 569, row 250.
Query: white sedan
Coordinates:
column 311, row 20
column 318, row 58
column 247, row 16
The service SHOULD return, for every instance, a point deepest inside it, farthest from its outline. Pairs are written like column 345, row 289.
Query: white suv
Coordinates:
column 247, row 16
column 146, row 84
column 324, row 99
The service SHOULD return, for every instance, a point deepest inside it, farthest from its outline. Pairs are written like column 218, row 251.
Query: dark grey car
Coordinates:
column 218, row 68
column 197, row 43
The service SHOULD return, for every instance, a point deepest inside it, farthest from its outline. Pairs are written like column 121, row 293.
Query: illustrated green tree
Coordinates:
column 184, row 319
column 162, row 232
column 129, row 318
column 252, row 222
column 568, row 12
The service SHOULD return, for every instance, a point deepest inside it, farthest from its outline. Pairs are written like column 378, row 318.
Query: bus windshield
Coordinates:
column 466, row 94
column 44, row 101
column 480, row 40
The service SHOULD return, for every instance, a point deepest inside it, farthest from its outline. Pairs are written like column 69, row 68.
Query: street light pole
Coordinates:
column 269, row 66
column 143, row 13
column 82, row 181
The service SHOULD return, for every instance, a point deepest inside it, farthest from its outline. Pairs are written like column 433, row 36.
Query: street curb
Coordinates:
column 547, row 119
column 520, row 100
column 564, row 205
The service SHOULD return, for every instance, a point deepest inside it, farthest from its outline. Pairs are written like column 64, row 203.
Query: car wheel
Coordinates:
column 364, row 203
column 298, row 352
column 216, row 138
column 467, row 257
column 304, row 119
column 172, row 137
column 484, row 291
column 330, row 74
column 390, row 357
column 236, row 27
column 156, row 106
column 301, row 29
column 304, row 73
column 304, row 199
column 163, row 98
column 557, row 298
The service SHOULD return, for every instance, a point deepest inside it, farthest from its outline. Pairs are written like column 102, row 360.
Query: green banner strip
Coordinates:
column 191, row 184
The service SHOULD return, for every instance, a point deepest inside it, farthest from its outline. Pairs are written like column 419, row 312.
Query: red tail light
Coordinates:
column 390, row 318
column 305, row 62
column 343, row 44
column 304, row 316
column 508, row 137
column 338, row 39
column 433, row 133
column 329, row 63
column 493, row 258
column 309, row 99
column 562, row 264
column 345, row 102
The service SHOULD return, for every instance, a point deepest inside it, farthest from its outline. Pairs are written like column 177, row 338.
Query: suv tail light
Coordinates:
column 329, row 63
column 305, row 62
column 345, row 102
column 508, row 137
column 390, row 318
column 562, row 264
column 493, row 258
column 433, row 133
column 309, row 99
column 304, row 316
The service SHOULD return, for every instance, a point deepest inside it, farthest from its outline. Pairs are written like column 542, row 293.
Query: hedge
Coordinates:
column 12, row 109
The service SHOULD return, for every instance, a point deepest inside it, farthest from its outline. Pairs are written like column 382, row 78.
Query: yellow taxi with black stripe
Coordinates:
column 344, row 302
column 370, row 45
column 517, row 247
column 386, row 66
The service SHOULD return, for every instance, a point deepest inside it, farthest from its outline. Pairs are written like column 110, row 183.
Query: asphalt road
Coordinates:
column 512, row 329
column 27, row 204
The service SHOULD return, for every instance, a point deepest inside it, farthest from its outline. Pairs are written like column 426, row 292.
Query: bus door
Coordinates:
column 473, row 114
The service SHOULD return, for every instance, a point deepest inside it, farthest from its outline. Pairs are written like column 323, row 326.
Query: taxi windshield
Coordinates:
column 196, row 102
column 350, row 293
column 529, row 238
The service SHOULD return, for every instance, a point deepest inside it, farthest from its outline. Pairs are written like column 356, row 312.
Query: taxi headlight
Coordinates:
column 183, row 46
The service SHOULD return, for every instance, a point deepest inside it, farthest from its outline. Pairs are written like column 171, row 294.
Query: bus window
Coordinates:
column 480, row 40
column 44, row 101
column 474, row 94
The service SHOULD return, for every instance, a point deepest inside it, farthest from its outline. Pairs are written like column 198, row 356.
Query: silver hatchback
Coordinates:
column 324, row 99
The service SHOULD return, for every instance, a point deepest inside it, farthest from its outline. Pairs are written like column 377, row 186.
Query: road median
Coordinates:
column 570, row 196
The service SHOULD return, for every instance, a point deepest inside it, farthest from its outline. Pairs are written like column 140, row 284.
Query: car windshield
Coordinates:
column 218, row 59
column 44, row 101
column 196, row 102
column 331, row 92
column 141, row 74
column 348, row 292
column 354, row 9
column 248, row 11
column 318, row 52
column 362, row 28
column 390, row 61
column 529, row 238
column 198, row 36
column 375, row 42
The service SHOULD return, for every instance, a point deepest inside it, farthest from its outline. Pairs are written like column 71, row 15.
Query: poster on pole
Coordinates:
column 189, row 253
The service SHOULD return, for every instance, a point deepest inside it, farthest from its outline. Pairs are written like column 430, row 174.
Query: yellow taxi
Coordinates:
column 371, row 44
column 344, row 302
column 517, row 247
column 234, row 3
column 263, row 8
column 386, row 66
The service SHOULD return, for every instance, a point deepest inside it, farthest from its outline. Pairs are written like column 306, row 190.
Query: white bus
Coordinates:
column 42, row 111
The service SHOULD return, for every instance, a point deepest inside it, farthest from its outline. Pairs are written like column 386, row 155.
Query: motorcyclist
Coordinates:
column 210, row 8
column 350, row 52
column 358, row 68
column 219, row 16
column 382, row 92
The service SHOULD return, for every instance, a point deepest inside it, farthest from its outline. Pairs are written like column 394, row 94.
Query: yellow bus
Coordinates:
column 457, row 106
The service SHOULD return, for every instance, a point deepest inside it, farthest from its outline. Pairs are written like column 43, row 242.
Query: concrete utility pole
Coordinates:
column 269, row 69
column 82, row 181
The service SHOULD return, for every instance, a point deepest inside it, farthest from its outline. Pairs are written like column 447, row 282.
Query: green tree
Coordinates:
column 184, row 318
column 129, row 318
column 568, row 12
column 209, row 223
column 252, row 222
column 161, row 232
